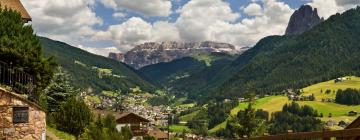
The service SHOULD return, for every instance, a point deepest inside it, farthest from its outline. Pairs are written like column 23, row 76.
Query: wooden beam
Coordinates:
column 346, row 133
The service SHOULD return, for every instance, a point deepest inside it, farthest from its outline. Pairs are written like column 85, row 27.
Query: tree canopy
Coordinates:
column 19, row 47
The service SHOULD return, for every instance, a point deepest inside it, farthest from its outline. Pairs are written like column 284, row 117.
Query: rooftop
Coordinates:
column 16, row 5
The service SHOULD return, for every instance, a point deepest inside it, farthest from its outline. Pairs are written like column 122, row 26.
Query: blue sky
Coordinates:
column 106, row 13
column 103, row 26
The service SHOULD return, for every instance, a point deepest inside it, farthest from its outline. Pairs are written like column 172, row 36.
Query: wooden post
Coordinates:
column 324, row 130
column 287, row 134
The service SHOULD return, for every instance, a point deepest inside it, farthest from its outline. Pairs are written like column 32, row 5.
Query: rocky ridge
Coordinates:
column 153, row 52
column 302, row 20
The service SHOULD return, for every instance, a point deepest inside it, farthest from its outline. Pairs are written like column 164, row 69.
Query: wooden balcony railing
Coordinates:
column 346, row 134
column 16, row 78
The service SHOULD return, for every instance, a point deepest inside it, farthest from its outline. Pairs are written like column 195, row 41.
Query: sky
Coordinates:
column 103, row 26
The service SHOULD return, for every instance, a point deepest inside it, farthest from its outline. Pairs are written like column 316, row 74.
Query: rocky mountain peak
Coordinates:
column 155, row 52
column 302, row 20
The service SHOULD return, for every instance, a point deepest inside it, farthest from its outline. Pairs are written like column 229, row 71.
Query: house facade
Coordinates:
column 20, row 118
column 137, row 124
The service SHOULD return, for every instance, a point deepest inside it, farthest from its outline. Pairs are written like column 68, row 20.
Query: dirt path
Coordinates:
column 51, row 136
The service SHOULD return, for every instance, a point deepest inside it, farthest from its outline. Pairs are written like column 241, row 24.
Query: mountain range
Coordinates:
column 153, row 52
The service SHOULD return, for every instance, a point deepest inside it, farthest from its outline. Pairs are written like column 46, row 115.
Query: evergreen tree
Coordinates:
column 73, row 116
column 59, row 90
column 20, row 48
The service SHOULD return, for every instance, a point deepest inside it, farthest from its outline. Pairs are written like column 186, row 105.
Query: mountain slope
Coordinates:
column 188, row 74
column 94, row 71
column 327, row 51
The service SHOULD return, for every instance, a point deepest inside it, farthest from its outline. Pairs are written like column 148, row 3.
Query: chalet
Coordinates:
column 352, row 113
column 17, row 6
column 331, row 123
column 137, row 124
column 20, row 118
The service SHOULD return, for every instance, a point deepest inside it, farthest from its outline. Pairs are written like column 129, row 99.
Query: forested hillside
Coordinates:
column 328, row 51
column 188, row 74
column 93, row 71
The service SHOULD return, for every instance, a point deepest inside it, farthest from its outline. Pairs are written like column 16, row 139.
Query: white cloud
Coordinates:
column 347, row 2
column 217, row 23
column 199, row 20
column 63, row 20
column 119, row 15
column 144, row 7
column 104, row 51
column 326, row 8
column 136, row 31
column 253, row 9
column 202, row 20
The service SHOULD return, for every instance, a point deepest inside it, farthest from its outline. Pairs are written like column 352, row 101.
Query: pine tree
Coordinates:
column 59, row 90
column 73, row 116
column 20, row 48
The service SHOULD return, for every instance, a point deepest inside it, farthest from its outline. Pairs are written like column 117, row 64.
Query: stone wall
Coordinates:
column 33, row 130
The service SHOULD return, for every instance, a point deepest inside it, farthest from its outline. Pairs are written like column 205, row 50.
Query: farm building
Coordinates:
column 20, row 118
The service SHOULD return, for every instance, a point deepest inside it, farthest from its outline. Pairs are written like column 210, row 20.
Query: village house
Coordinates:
column 352, row 113
column 138, row 125
column 20, row 118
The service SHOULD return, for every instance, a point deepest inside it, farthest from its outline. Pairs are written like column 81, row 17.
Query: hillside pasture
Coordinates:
column 319, row 90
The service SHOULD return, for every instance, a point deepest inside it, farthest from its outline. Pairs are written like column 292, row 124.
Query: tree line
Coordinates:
column 348, row 96
column 250, row 122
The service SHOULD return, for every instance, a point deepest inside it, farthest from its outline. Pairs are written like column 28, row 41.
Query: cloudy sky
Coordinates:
column 103, row 26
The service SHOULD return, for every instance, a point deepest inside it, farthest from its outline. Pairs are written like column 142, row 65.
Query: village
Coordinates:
column 133, row 106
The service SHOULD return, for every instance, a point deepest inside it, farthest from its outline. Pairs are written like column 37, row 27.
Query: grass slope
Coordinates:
column 189, row 116
column 93, row 71
column 275, row 103
column 319, row 89
column 60, row 134
column 179, row 128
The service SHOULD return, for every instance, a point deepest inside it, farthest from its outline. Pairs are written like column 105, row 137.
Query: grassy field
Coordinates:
column 179, row 128
column 206, row 58
column 270, row 104
column 189, row 117
column 319, row 89
column 186, row 105
column 60, row 134
column 275, row 103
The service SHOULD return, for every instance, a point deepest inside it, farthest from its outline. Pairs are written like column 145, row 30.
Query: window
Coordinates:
column 20, row 114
